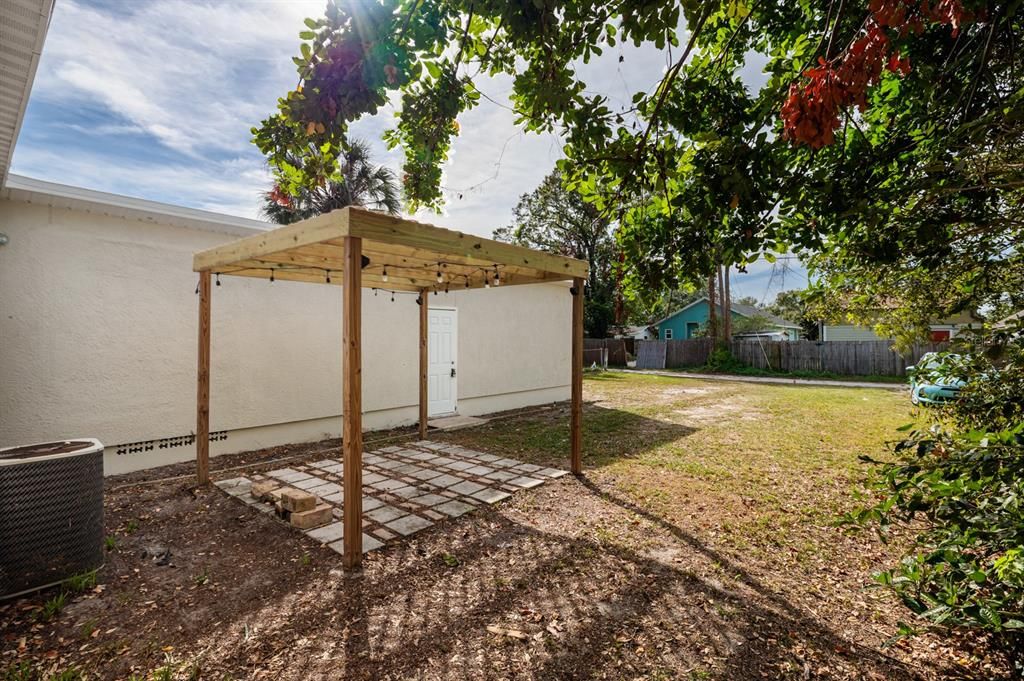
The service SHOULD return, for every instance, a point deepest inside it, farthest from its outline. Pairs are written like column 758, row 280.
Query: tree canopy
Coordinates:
column 887, row 132
column 554, row 219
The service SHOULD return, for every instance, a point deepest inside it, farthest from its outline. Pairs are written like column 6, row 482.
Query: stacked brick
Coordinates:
column 301, row 509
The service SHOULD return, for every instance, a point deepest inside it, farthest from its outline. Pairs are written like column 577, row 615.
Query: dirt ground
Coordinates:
column 699, row 544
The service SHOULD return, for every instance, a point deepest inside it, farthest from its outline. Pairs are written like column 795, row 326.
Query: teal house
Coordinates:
column 691, row 320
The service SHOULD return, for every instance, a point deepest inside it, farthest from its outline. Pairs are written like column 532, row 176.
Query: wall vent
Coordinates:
column 166, row 443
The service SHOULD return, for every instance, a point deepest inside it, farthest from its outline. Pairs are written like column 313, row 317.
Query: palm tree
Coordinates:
column 361, row 184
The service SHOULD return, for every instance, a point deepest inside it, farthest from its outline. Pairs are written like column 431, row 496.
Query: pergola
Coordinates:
column 357, row 248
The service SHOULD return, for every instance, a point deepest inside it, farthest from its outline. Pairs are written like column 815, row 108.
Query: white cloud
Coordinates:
column 230, row 186
column 195, row 76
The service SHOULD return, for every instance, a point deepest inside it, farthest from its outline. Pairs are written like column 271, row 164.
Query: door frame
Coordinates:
column 455, row 353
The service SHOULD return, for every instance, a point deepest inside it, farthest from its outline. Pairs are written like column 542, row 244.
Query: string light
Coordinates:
column 392, row 296
column 486, row 271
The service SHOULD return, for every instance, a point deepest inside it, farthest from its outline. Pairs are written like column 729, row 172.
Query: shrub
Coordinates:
column 721, row 359
column 959, row 483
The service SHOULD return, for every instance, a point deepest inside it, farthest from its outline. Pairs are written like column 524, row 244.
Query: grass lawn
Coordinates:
column 700, row 544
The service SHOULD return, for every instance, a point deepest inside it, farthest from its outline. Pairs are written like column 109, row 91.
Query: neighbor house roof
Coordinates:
column 740, row 309
column 1010, row 321
column 23, row 25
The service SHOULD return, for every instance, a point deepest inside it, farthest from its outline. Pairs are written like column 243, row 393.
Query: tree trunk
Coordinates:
column 723, row 310
column 712, row 311
column 727, row 295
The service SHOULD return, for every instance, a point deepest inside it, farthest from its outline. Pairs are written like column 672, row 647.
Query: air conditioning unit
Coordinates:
column 51, row 513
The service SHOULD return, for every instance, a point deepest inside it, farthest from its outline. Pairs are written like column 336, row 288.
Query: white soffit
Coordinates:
column 23, row 25
column 41, row 192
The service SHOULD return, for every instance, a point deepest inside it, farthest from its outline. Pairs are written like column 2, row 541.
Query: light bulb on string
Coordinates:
column 328, row 276
column 218, row 279
column 392, row 296
column 497, row 276
column 271, row 276
column 440, row 279
column 384, row 276
column 487, row 280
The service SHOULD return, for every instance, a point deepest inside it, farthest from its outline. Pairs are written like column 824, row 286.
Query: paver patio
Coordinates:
column 406, row 488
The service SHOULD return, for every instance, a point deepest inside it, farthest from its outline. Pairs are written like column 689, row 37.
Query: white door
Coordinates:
column 442, row 351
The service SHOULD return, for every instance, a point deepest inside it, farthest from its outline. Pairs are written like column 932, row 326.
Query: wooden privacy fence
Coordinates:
column 598, row 356
column 618, row 350
column 673, row 353
column 848, row 358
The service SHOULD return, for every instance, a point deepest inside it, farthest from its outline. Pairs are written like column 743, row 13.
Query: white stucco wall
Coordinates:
column 98, row 338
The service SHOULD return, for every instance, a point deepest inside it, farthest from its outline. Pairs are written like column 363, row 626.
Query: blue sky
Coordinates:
column 156, row 99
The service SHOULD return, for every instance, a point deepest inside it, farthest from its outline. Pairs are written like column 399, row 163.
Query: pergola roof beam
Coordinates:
column 333, row 225
column 412, row 253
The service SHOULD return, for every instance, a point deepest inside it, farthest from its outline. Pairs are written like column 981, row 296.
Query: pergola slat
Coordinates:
column 388, row 229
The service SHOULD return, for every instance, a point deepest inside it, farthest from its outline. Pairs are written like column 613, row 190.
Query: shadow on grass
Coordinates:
column 608, row 435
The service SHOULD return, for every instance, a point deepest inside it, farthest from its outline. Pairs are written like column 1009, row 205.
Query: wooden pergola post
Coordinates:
column 424, row 309
column 203, row 383
column 576, row 409
column 352, row 404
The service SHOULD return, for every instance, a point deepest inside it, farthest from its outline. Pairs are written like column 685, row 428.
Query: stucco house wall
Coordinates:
column 98, row 318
